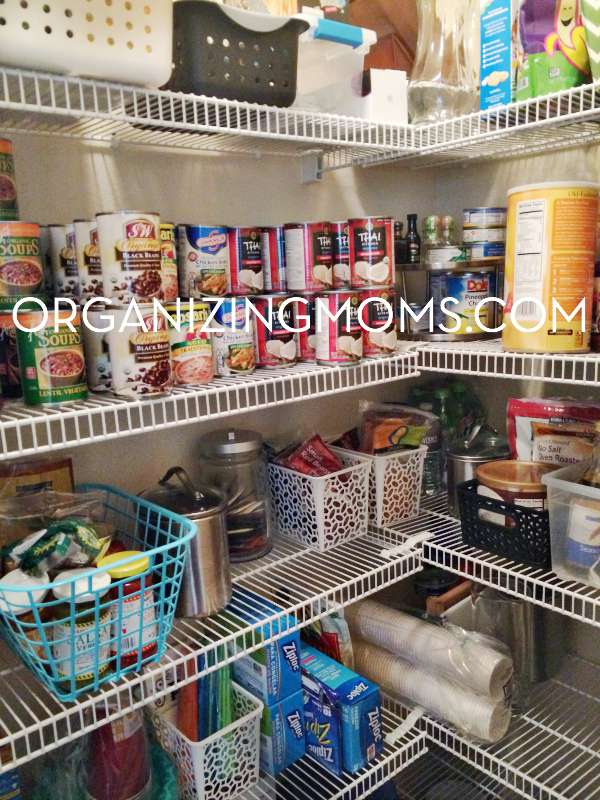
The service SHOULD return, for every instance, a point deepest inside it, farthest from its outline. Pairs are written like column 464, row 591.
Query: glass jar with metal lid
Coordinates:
column 234, row 461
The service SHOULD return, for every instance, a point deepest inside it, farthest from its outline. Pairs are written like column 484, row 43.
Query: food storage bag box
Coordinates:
column 342, row 712
column 282, row 734
column 498, row 52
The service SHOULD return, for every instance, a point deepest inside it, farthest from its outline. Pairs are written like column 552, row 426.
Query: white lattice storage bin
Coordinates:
column 322, row 512
column 394, row 484
column 223, row 765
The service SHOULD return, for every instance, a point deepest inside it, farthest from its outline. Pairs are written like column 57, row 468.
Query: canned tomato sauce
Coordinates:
column 191, row 348
column 273, row 256
column 140, row 360
column 232, row 341
column 168, row 261
column 339, row 341
column 380, row 313
column 203, row 258
column 341, row 254
column 277, row 347
column 245, row 261
column 63, row 258
column 9, row 209
column 307, row 340
column 87, row 255
column 308, row 256
column 130, row 255
column 10, row 375
column 52, row 362
column 371, row 242
column 95, row 344
column 21, row 270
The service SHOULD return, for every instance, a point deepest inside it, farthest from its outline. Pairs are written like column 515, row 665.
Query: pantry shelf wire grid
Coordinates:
column 308, row 780
column 302, row 582
column 32, row 430
column 539, row 586
column 552, row 750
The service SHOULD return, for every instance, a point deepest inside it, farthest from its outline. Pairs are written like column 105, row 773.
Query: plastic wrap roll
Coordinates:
column 475, row 715
column 462, row 659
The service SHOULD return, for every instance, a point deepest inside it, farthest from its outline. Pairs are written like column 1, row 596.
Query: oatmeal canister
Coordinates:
column 130, row 255
column 550, row 251
column 51, row 361
column 339, row 333
column 308, row 256
column 379, row 313
column 276, row 346
column 341, row 254
column 9, row 209
column 95, row 342
column 371, row 251
column 21, row 270
column 245, row 261
column 140, row 359
column 63, row 258
column 273, row 256
column 191, row 348
column 305, row 318
column 203, row 257
column 88, row 259
column 168, row 261
column 232, row 339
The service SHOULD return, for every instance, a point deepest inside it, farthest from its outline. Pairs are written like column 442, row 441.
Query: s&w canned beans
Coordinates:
column 308, row 256
column 339, row 341
column 203, row 258
column 273, row 257
column 168, row 261
column 232, row 341
column 305, row 318
column 63, row 257
column 341, row 255
column 89, row 268
column 245, row 261
column 9, row 209
column 371, row 242
column 130, row 255
column 191, row 348
column 275, row 345
column 21, row 270
column 376, row 314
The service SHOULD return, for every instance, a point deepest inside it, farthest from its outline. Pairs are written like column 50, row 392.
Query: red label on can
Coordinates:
column 276, row 346
column 305, row 317
column 245, row 261
column 379, row 313
column 339, row 334
column 371, row 241
column 341, row 255
column 140, row 229
column 309, row 256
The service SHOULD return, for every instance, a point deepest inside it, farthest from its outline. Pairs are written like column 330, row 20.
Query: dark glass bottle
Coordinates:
column 413, row 241
column 400, row 254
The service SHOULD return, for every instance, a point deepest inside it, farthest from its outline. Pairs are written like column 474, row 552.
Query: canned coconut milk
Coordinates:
column 379, row 313
column 140, row 360
column 191, row 348
column 89, row 268
column 305, row 318
column 233, row 343
column 341, row 254
column 339, row 341
column 273, row 257
column 371, row 251
column 9, row 209
column 245, row 261
column 63, row 257
column 130, row 255
column 277, row 347
column 97, row 356
column 309, row 256
column 203, row 259
column 168, row 261
column 21, row 271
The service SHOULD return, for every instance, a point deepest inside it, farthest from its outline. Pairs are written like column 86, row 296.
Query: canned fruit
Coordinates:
column 130, row 255
column 379, row 313
column 21, row 270
column 52, row 362
column 89, row 268
column 468, row 289
column 275, row 345
column 273, row 257
column 339, row 341
column 233, row 344
column 9, row 209
column 203, row 260
column 371, row 251
column 309, row 256
column 191, row 348
column 168, row 262
column 341, row 255
column 476, row 235
column 245, row 261
column 63, row 258
column 484, row 217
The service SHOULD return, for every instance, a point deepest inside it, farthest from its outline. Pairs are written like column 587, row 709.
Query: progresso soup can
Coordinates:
column 21, row 269
column 245, row 261
column 203, row 258
column 308, row 256
column 63, row 257
column 51, row 361
column 9, row 209
column 339, row 341
column 191, row 347
column 232, row 340
column 87, row 255
column 168, row 261
column 276, row 346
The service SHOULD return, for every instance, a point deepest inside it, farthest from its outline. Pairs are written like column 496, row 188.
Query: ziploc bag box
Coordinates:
column 498, row 46
column 282, row 734
column 273, row 672
column 342, row 713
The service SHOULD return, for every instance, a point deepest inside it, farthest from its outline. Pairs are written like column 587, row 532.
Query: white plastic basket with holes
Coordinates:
column 394, row 484
column 222, row 765
column 118, row 40
column 322, row 512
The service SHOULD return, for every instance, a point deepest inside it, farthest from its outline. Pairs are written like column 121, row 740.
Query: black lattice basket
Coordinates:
column 526, row 539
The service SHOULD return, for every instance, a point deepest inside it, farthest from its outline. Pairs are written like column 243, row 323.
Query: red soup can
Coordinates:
column 245, row 261
column 379, row 314
column 341, row 254
column 308, row 256
column 273, row 258
column 305, row 318
column 371, row 241
column 276, row 346
column 339, row 335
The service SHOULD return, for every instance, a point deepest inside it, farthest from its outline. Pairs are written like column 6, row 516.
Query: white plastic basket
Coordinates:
column 322, row 512
column 124, row 40
column 223, row 765
column 394, row 484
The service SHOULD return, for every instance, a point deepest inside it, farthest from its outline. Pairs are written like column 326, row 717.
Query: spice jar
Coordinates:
column 134, row 629
column 518, row 483
column 234, row 462
column 81, row 631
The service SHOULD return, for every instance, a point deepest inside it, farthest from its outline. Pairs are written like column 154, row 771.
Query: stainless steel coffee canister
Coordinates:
column 464, row 456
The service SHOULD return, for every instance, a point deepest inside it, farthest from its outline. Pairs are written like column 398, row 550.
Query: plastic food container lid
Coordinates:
column 78, row 582
column 532, row 187
column 232, row 442
column 120, row 571
column 20, row 602
column 514, row 476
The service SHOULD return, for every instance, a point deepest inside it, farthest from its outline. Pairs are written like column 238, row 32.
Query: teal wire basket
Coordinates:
column 75, row 645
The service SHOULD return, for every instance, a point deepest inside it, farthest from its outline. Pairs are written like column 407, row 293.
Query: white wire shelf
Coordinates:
column 307, row 780
column 31, row 430
column 302, row 582
column 487, row 358
column 552, row 751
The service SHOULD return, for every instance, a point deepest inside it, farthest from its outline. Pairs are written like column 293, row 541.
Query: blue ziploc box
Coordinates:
column 342, row 712
column 274, row 671
column 282, row 734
